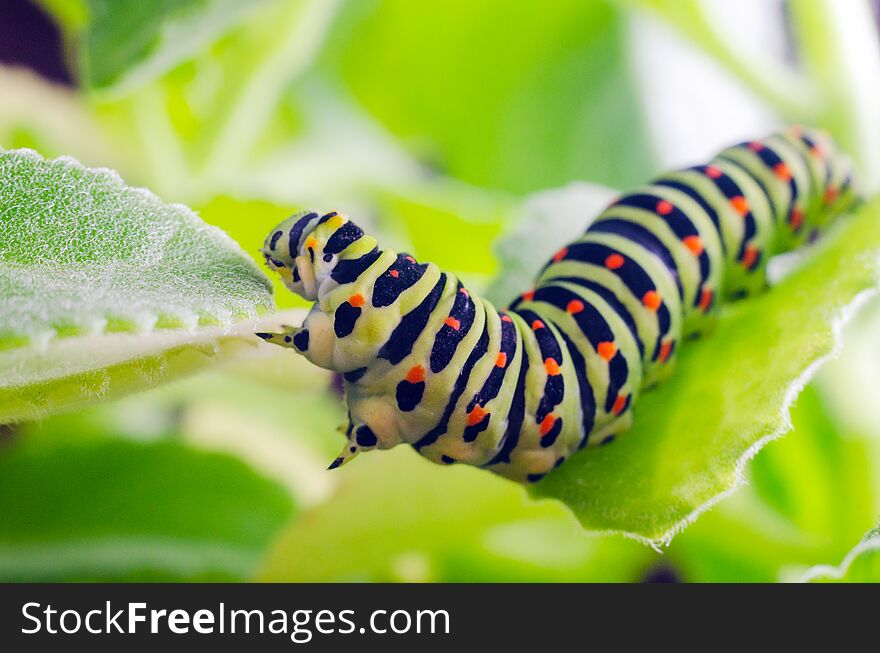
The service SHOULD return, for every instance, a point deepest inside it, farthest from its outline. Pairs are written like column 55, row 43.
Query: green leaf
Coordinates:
column 397, row 517
column 500, row 94
column 730, row 394
column 861, row 565
column 132, row 41
column 101, row 509
column 809, row 496
column 820, row 477
column 103, row 288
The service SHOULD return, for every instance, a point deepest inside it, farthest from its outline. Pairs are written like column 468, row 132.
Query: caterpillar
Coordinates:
column 517, row 391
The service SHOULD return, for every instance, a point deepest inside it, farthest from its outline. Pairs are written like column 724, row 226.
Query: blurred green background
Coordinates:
column 442, row 126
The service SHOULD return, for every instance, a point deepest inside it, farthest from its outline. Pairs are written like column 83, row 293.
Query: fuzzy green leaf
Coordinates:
column 104, row 288
column 861, row 565
column 808, row 497
column 97, row 508
column 730, row 394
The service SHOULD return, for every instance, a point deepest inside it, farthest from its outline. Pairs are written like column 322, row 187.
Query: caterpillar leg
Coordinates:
column 348, row 453
column 291, row 337
column 314, row 339
column 360, row 438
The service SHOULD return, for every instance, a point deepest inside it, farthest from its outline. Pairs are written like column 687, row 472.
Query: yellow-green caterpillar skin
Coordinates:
column 518, row 391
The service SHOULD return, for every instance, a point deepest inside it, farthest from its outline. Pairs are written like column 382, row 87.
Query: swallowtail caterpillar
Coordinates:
column 517, row 391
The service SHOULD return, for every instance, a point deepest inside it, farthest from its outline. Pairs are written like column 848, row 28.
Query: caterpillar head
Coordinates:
column 306, row 248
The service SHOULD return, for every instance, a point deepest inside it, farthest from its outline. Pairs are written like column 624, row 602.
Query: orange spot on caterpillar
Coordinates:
column 796, row 218
column 528, row 295
column 781, row 170
column 574, row 306
column 506, row 318
column 750, row 255
column 356, row 300
column 740, row 204
column 652, row 300
column 452, row 323
column 817, row 152
column 501, row 360
column 607, row 350
column 614, row 261
column 664, row 207
column 311, row 242
column 694, row 243
column 464, row 292
column 831, row 194
column 561, row 254
column 537, row 324
column 619, row 403
column 706, row 299
column 665, row 350
column 394, row 273
column 755, row 146
column 416, row 374
column 714, row 173
column 547, row 425
column 552, row 367
column 410, row 259
column 476, row 416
